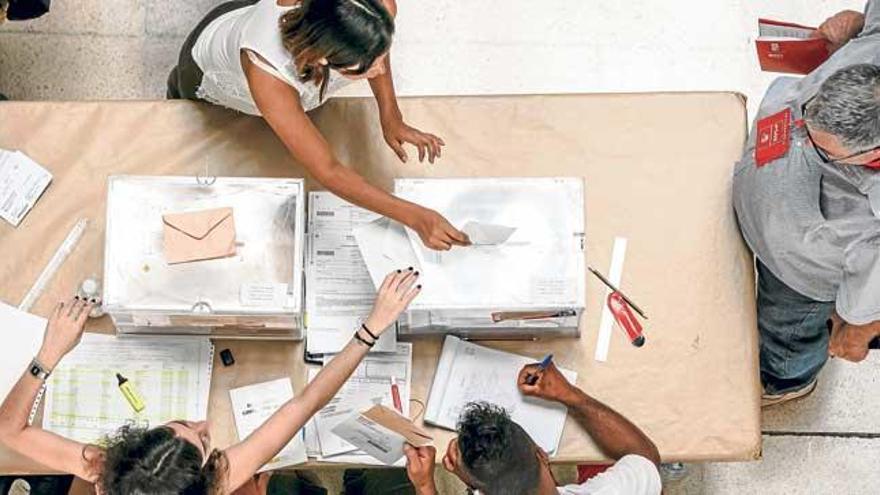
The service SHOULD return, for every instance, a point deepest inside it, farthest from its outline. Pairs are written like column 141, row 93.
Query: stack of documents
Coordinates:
column 254, row 404
column 339, row 291
column 22, row 182
column 471, row 373
column 172, row 374
column 369, row 385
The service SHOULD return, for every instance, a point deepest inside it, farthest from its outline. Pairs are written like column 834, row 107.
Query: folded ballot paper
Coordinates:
column 22, row 182
column 382, row 432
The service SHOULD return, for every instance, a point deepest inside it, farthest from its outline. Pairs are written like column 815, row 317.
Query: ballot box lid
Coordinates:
column 540, row 265
column 264, row 276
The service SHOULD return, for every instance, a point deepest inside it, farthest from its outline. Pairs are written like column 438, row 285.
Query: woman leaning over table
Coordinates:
column 177, row 457
column 281, row 58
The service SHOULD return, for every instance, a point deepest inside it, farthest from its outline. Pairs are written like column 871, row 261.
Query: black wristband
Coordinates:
column 364, row 326
column 363, row 340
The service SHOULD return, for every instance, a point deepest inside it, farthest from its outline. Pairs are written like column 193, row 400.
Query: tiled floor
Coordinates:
column 109, row 49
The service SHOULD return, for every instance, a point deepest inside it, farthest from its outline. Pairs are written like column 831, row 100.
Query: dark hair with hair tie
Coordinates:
column 140, row 461
column 349, row 34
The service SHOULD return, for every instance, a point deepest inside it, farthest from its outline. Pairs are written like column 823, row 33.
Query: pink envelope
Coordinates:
column 199, row 235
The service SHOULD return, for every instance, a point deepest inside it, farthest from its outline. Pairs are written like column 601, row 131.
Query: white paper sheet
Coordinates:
column 468, row 372
column 340, row 292
column 21, row 335
column 606, row 321
column 369, row 384
column 172, row 374
column 22, row 182
column 254, row 404
column 385, row 247
column 487, row 234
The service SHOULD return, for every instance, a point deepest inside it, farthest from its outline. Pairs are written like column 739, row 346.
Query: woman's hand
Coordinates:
column 397, row 291
column 397, row 133
column 840, row 28
column 64, row 330
column 436, row 232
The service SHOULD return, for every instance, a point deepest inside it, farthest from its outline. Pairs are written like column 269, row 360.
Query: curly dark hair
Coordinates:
column 141, row 461
column 496, row 451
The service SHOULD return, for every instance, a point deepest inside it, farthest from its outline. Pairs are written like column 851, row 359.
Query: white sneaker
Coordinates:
column 768, row 400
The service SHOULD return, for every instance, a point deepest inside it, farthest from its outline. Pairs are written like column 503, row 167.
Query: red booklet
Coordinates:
column 787, row 47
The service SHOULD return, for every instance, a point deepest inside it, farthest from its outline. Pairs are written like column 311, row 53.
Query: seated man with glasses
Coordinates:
column 807, row 197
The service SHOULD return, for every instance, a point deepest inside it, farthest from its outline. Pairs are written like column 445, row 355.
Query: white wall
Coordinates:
column 446, row 47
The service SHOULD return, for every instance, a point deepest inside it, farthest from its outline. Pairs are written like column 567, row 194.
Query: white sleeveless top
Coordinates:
column 255, row 29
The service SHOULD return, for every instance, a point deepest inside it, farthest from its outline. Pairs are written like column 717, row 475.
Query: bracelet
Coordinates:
column 364, row 326
column 363, row 340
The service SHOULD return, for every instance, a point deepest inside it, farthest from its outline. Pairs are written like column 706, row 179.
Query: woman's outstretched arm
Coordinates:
column 53, row 451
column 246, row 457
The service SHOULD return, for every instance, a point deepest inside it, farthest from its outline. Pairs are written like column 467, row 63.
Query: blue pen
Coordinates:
column 533, row 379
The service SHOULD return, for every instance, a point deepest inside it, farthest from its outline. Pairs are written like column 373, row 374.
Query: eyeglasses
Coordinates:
column 846, row 160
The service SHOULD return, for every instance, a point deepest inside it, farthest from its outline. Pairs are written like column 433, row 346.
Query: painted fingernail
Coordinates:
column 76, row 297
column 417, row 274
column 94, row 300
column 398, row 271
column 419, row 286
column 410, row 268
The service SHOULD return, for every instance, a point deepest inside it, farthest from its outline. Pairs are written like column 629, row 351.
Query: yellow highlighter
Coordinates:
column 131, row 395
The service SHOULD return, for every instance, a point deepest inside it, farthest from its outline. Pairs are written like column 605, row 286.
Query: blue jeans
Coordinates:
column 793, row 334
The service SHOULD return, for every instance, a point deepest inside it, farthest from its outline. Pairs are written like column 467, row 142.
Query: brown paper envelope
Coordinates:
column 399, row 424
column 199, row 235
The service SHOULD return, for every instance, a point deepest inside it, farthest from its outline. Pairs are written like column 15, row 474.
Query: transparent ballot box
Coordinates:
column 173, row 266
column 524, row 274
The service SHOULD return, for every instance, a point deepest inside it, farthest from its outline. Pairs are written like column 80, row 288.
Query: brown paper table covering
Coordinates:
column 657, row 170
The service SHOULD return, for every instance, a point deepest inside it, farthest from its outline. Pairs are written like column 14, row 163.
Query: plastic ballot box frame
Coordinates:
column 256, row 293
column 524, row 273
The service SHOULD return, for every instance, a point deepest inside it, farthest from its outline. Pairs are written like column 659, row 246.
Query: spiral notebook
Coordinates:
column 469, row 372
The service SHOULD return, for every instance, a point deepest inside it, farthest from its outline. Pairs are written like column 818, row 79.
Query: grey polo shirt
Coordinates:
column 815, row 226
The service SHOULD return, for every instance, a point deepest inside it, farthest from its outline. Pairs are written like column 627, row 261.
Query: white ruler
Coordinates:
column 606, row 324
column 54, row 264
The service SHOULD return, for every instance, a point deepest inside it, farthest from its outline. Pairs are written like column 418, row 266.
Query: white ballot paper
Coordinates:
column 253, row 405
column 369, row 385
column 22, row 336
column 340, row 292
column 487, row 234
column 385, row 247
column 381, row 432
column 22, row 182
column 468, row 372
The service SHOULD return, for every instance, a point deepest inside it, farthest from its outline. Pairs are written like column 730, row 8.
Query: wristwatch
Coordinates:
column 37, row 370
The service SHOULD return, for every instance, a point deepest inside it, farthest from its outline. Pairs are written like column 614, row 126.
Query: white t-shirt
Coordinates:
column 631, row 475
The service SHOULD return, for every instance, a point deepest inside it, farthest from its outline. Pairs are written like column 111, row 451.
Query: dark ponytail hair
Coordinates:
column 138, row 461
column 348, row 33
